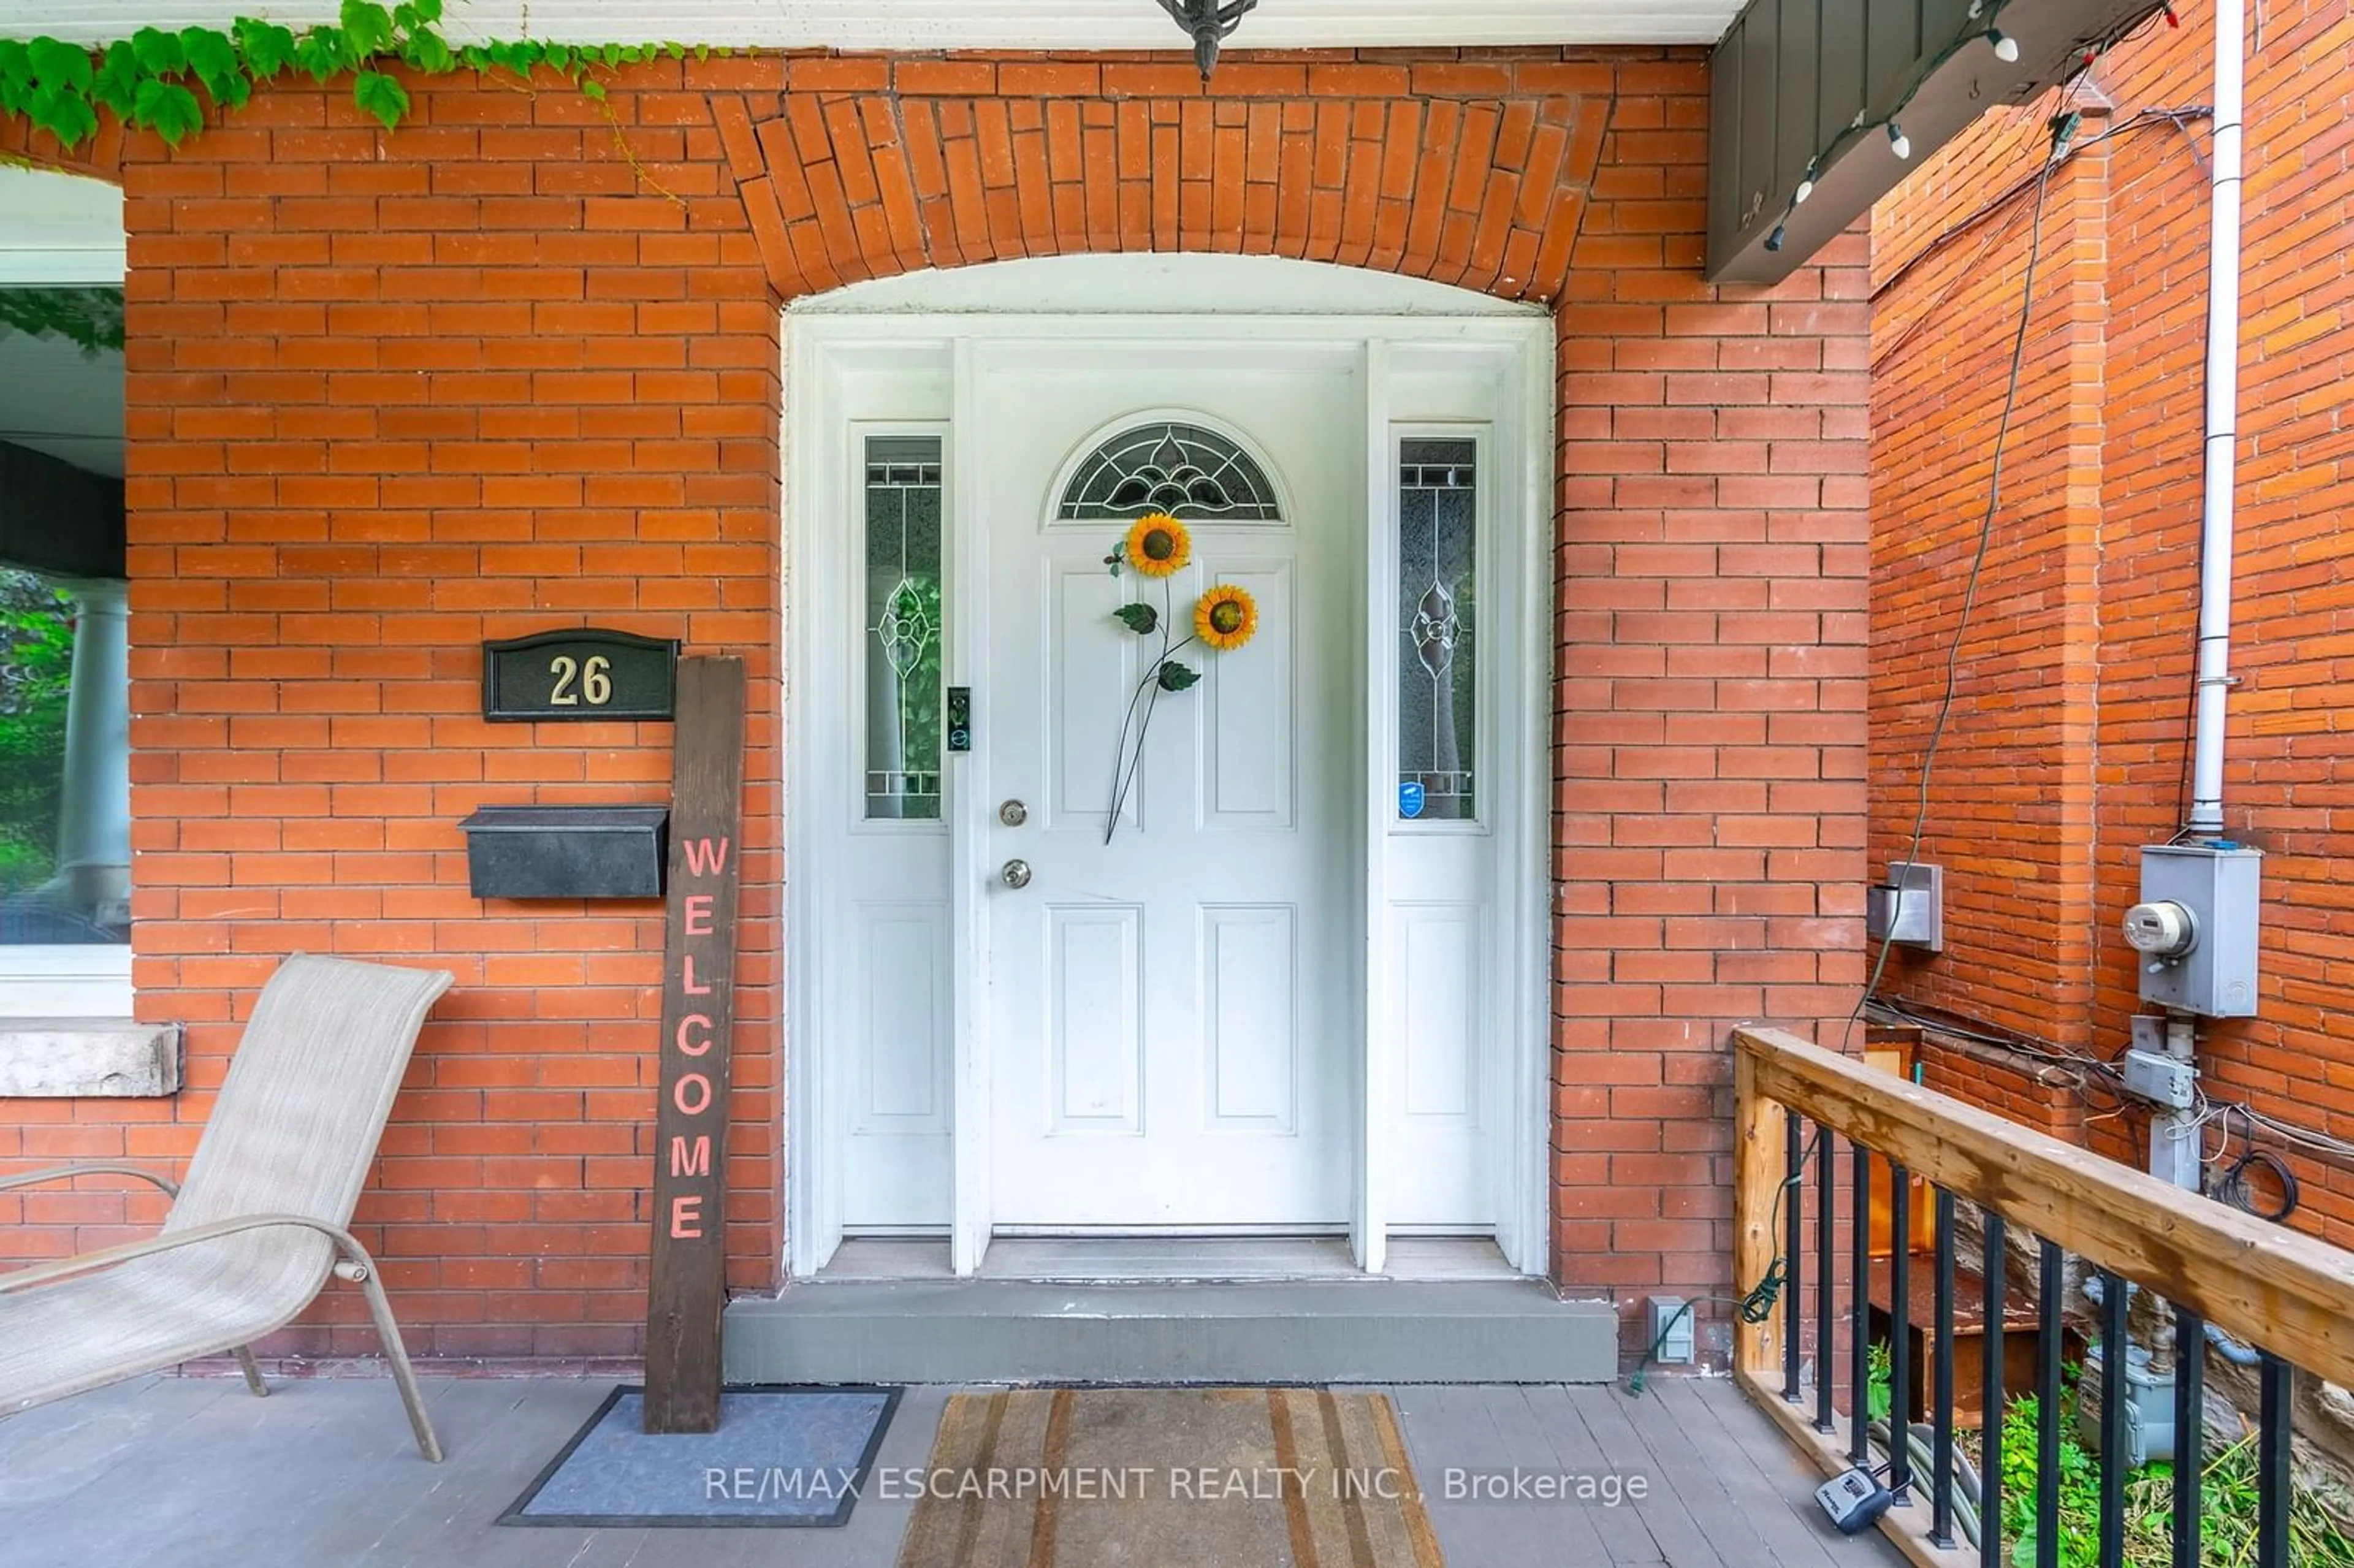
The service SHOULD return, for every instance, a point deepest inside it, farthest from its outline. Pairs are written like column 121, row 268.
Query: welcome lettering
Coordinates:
column 691, row 1094
column 686, row 1289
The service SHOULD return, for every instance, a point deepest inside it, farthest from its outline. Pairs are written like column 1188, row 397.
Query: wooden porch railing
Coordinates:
column 2287, row 1294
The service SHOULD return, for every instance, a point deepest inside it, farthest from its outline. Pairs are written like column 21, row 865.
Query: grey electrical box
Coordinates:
column 2195, row 928
column 1671, row 1330
column 2159, row 1079
column 1909, row 908
column 2149, row 1409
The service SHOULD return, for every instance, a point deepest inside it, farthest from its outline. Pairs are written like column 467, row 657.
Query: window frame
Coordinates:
column 72, row 245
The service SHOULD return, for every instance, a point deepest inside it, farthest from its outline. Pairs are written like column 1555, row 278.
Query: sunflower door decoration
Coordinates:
column 1225, row 618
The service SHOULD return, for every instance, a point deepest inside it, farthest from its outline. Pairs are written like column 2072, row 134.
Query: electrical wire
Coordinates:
column 1757, row 1304
column 2095, row 1075
column 2231, row 1186
column 2062, row 131
column 2008, row 197
column 1861, row 126
column 1987, row 13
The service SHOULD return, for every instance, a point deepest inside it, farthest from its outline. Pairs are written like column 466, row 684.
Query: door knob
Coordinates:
column 1014, row 874
column 1013, row 813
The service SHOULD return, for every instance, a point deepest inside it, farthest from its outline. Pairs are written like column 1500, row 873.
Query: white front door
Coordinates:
column 1173, row 1015
column 1303, row 987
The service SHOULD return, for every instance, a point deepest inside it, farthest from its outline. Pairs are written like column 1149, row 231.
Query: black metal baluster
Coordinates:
column 2271, row 1463
column 1859, row 1395
column 1990, row 1402
column 2113, row 1301
column 2189, row 1431
column 2048, row 1329
column 1941, row 1395
column 1825, row 1258
column 1794, row 1190
column 1900, row 1334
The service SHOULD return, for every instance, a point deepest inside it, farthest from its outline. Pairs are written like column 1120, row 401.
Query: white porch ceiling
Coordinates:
column 933, row 25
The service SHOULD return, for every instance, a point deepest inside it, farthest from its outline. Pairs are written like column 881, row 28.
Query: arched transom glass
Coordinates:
column 1169, row 466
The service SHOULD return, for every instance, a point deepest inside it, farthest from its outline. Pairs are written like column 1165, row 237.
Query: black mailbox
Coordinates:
column 567, row 851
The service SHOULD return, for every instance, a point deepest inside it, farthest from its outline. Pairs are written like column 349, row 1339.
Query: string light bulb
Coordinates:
column 1898, row 142
column 2006, row 47
column 1773, row 240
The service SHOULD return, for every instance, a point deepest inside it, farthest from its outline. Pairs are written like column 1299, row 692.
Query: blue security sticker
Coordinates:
column 1410, row 799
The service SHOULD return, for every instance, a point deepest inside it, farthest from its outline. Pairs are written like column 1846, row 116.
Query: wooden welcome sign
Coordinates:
column 688, row 1284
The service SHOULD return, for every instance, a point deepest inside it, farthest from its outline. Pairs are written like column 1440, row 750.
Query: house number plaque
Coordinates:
column 585, row 672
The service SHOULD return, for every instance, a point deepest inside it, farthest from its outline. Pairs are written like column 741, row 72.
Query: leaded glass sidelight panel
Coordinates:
column 1437, row 629
column 903, row 628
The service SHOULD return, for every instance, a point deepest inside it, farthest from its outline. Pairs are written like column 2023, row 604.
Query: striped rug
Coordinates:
column 1220, row 1478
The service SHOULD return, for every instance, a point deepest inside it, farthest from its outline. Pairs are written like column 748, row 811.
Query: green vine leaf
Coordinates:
column 62, row 66
column 165, row 108
column 321, row 53
column 427, row 52
column 268, row 47
column 117, row 83
column 213, row 59
column 366, row 26
column 159, row 53
column 1140, row 618
column 15, row 70
column 70, row 119
column 379, row 95
column 1176, row 677
column 149, row 79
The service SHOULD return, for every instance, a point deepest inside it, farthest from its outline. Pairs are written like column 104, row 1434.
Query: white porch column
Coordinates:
column 94, row 811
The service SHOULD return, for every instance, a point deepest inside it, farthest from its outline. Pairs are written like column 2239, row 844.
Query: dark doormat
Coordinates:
column 784, row 1455
column 1169, row 1478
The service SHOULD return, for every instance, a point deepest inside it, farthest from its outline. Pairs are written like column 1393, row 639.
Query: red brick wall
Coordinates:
column 2069, row 743
column 388, row 395
column 2043, row 1095
column 511, row 365
column 1708, row 717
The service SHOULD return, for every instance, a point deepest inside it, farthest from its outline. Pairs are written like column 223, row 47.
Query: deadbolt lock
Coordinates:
column 1013, row 813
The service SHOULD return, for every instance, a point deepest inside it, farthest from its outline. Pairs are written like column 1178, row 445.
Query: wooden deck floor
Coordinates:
column 194, row 1472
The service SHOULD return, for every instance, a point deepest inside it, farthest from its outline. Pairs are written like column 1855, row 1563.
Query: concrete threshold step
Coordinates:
column 987, row 1330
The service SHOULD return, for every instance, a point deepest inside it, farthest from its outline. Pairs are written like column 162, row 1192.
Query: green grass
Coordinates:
column 2227, row 1502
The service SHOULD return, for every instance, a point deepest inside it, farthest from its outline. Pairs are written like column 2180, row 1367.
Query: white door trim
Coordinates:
column 819, row 345
column 967, row 810
column 1377, row 1064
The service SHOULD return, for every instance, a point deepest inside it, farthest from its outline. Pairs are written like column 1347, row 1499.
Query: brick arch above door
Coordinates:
column 1470, row 174
column 99, row 158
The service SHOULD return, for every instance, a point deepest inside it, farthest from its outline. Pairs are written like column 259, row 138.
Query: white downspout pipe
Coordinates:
column 2214, row 676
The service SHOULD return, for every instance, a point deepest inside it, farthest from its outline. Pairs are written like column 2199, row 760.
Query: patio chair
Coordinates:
column 258, row 1223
